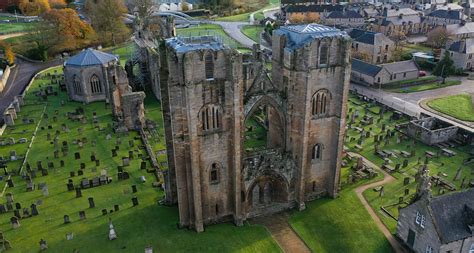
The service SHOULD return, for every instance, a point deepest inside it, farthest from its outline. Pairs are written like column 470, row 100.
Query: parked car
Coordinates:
column 422, row 73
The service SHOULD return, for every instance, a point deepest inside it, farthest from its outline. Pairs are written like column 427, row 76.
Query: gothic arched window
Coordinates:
column 214, row 173
column 317, row 152
column 319, row 103
column 76, row 85
column 95, row 84
column 209, row 66
column 210, row 117
column 323, row 54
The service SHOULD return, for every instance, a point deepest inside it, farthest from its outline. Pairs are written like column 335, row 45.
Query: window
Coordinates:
column 95, row 85
column 320, row 103
column 76, row 85
column 418, row 218
column 386, row 47
column 210, row 117
column 391, row 77
column 429, row 249
column 317, row 152
column 395, row 76
column 214, row 173
column 209, row 66
column 471, row 250
column 357, row 46
column 423, row 221
column 323, row 54
column 404, row 74
column 378, row 79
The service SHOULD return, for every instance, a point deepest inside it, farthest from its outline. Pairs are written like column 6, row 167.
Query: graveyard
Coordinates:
column 79, row 177
column 402, row 157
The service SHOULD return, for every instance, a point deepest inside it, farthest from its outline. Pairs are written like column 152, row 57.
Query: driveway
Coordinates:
column 233, row 30
column 19, row 78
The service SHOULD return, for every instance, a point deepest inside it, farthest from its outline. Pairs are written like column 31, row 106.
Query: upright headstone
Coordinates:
column 91, row 202
column 34, row 210
column 66, row 219
column 78, row 192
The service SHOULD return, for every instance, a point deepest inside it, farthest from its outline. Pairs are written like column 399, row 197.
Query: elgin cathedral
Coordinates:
column 209, row 93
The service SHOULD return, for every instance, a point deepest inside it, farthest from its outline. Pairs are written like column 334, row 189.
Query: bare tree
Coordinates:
column 437, row 37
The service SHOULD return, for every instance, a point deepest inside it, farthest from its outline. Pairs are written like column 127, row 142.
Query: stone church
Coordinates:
column 209, row 94
column 93, row 75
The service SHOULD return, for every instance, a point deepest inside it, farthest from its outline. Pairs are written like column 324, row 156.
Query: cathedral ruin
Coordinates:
column 209, row 94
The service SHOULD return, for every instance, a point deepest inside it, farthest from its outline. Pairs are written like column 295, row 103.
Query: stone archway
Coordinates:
column 267, row 113
column 267, row 190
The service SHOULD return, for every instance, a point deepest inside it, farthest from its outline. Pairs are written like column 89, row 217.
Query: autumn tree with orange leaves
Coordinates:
column 34, row 7
column 68, row 31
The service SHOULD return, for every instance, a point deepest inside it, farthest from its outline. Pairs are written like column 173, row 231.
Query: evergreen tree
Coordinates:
column 444, row 68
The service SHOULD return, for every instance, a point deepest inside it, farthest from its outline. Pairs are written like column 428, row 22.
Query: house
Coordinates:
column 438, row 224
column 444, row 17
column 377, row 75
column 404, row 20
column 315, row 11
column 370, row 46
column 461, row 53
column 344, row 18
column 461, row 30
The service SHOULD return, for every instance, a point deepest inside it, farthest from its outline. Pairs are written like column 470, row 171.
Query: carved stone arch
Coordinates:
column 279, row 183
column 261, row 77
column 210, row 122
column 254, row 102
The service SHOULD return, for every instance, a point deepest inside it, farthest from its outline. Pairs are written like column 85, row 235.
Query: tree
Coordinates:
column 296, row 18
column 68, row 30
column 107, row 20
column 445, row 67
column 9, row 55
column 437, row 37
column 34, row 7
column 311, row 17
column 57, row 4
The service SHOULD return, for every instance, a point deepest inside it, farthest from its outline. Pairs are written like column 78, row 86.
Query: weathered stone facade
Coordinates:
column 431, row 131
column 209, row 91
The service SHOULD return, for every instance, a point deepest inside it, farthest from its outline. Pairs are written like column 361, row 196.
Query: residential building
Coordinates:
column 371, row 47
column 396, row 21
column 438, row 224
column 461, row 53
column 377, row 75
column 344, row 18
column 444, row 17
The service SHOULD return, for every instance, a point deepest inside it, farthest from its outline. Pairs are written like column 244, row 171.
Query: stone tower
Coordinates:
column 211, row 97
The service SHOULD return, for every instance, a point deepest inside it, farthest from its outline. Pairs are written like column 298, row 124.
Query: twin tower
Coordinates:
column 248, row 138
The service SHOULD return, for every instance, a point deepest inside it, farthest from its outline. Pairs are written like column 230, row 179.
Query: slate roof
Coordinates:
column 90, row 57
column 400, row 67
column 453, row 214
column 404, row 11
column 365, row 68
column 460, row 28
column 299, row 35
column 448, row 14
column 185, row 44
column 366, row 37
column 344, row 14
column 464, row 47
column 402, row 20
column 314, row 8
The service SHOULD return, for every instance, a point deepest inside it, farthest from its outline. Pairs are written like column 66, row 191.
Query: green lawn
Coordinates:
column 423, row 87
column 457, row 106
column 209, row 29
column 411, row 48
column 339, row 225
column 15, row 27
column 137, row 227
column 236, row 18
column 253, row 32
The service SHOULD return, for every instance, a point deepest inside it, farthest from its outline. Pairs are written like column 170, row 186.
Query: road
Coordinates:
column 409, row 103
column 359, row 192
column 19, row 78
column 11, row 35
column 233, row 30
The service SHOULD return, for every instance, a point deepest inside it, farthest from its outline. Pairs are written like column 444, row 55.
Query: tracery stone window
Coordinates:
column 95, row 84
column 214, row 173
column 320, row 101
column 209, row 66
column 317, row 152
column 210, row 117
column 76, row 85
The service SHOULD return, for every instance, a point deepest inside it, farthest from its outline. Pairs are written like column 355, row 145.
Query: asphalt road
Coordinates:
column 19, row 78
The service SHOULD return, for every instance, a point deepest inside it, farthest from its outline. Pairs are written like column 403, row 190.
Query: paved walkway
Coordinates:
column 360, row 190
column 282, row 232
column 11, row 35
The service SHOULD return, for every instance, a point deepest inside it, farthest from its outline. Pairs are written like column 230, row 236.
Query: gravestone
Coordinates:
column 92, row 158
column 15, row 222
column 130, row 143
column 406, row 181
column 134, row 188
column 50, row 165
column 407, row 191
column 34, row 210
column 116, row 208
column 82, row 215
column 13, row 155
column 130, row 154
column 3, row 209
column 400, row 200
column 44, row 172
column 114, row 153
column 9, row 197
column 16, row 213
column 125, row 161
column 91, row 202
column 66, row 219
column 78, row 192
column 72, row 174
column 135, row 201
column 10, row 183
column 26, row 212
column 70, row 185
column 104, row 211
column 80, row 172
column 405, row 163
column 39, row 165
column 77, row 155
column 83, row 166
column 143, row 165
column 18, row 206
column 97, row 163
column 45, row 191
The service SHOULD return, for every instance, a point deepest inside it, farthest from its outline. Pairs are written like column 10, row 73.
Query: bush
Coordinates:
column 37, row 53
column 460, row 72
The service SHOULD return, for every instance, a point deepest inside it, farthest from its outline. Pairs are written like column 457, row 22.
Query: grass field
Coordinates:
column 253, row 32
column 209, row 29
column 15, row 27
column 339, row 225
column 423, row 87
column 137, row 227
column 457, row 106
